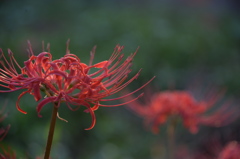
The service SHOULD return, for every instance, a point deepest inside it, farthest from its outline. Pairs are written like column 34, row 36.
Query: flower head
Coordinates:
column 184, row 105
column 68, row 79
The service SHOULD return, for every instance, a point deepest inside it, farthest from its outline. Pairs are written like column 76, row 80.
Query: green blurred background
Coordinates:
column 180, row 41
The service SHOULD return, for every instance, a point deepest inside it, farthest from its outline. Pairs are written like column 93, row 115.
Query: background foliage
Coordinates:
column 180, row 41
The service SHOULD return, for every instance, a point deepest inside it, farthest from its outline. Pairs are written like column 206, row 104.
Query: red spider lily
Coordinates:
column 166, row 104
column 68, row 79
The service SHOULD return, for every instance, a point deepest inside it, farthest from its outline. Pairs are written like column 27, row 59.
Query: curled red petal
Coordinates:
column 93, row 119
column 36, row 92
column 17, row 103
column 56, row 72
column 40, row 57
column 44, row 102
column 92, row 115
column 100, row 64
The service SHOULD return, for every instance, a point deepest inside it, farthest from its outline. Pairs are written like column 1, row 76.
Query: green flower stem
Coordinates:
column 51, row 131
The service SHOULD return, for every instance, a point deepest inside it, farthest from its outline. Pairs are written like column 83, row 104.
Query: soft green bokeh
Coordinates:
column 180, row 42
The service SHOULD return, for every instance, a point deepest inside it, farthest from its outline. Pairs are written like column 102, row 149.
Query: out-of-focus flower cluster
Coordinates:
column 177, row 104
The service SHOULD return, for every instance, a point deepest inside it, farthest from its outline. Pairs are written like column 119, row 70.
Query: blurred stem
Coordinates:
column 51, row 131
column 171, row 137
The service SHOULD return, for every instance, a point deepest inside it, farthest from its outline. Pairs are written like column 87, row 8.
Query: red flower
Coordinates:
column 68, row 79
column 166, row 104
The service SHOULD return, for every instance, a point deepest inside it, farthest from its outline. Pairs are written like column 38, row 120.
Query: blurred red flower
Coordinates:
column 68, row 79
column 182, row 104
